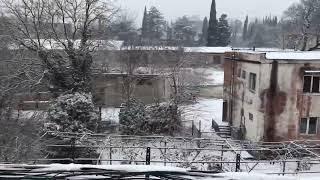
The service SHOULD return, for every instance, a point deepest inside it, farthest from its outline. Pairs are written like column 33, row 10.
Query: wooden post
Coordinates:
column 283, row 167
column 192, row 128
column 73, row 149
column 100, row 113
column 148, row 156
column 238, row 159
column 110, row 152
column 165, row 153
column 222, row 146
column 199, row 129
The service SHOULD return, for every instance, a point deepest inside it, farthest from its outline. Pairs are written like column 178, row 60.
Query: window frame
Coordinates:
column 310, row 91
column 251, row 82
column 308, row 126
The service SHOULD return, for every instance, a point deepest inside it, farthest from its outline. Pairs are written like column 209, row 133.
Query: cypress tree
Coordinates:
column 245, row 29
column 203, row 40
column 213, row 23
column 144, row 29
column 224, row 31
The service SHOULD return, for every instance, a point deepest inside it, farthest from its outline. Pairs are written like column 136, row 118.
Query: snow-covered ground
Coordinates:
column 212, row 76
column 110, row 114
column 205, row 110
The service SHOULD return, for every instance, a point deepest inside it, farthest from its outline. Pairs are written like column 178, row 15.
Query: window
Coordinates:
column 250, row 116
column 239, row 72
column 252, row 81
column 309, row 125
column 244, row 74
column 311, row 84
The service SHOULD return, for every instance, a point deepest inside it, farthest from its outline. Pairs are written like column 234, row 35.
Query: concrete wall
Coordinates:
column 108, row 91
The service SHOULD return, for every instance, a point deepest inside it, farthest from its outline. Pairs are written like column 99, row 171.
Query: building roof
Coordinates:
column 208, row 49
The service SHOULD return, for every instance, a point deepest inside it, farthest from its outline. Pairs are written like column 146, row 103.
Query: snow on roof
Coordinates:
column 298, row 55
column 260, row 50
column 58, row 44
column 208, row 49
column 151, row 48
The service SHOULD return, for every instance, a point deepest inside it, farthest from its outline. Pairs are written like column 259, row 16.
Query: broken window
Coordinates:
column 309, row 125
column 311, row 84
column 252, row 81
column 250, row 116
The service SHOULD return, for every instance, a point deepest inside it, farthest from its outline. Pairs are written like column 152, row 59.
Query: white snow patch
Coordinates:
column 208, row 49
column 204, row 110
column 254, row 176
column 212, row 76
column 110, row 114
column 315, row 55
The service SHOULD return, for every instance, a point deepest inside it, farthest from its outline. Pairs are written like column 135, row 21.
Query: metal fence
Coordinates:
column 203, row 154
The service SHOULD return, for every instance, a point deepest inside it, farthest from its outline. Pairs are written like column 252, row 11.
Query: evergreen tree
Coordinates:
column 245, row 29
column 213, row 23
column 169, row 32
column 184, row 31
column 144, row 29
column 204, row 34
column 224, row 31
column 156, row 24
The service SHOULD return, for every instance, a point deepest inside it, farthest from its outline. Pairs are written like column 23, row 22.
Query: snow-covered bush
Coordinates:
column 164, row 119
column 138, row 119
column 133, row 118
column 73, row 113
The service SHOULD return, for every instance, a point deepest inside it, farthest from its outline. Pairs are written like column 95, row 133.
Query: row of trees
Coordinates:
column 297, row 29
column 184, row 31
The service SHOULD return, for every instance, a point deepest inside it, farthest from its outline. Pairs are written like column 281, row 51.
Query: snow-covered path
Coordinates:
column 204, row 110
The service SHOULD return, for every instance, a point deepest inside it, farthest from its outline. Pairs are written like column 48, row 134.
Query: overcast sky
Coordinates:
column 234, row 8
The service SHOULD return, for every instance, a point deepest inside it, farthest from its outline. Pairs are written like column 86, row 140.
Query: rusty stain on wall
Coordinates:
column 274, row 102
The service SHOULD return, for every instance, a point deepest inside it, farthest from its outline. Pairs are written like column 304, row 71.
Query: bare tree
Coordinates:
column 303, row 22
column 65, row 25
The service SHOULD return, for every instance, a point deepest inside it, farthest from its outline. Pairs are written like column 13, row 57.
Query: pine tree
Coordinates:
column 245, row 29
column 204, row 35
column 144, row 29
column 224, row 31
column 213, row 23
column 156, row 24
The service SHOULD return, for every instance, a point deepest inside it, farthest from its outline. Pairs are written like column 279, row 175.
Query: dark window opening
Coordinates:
column 239, row 72
column 252, row 81
column 315, row 84
column 244, row 75
column 312, row 125
column 309, row 125
column 303, row 125
column 311, row 84
column 250, row 116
